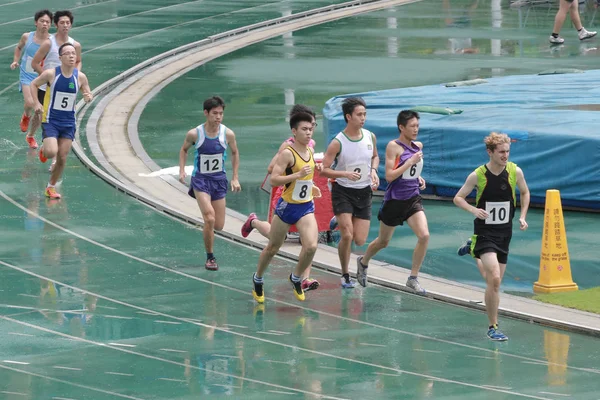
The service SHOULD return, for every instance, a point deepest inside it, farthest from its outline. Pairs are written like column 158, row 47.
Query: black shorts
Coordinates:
column 351, row 201
column 41, row 95
column 395, row 212
column 491, row 244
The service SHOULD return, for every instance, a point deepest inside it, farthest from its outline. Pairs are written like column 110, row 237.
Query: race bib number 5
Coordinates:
column 211, row 163
column 499, row 212
column 414, row 171
column 302, row 191
column 64, row 101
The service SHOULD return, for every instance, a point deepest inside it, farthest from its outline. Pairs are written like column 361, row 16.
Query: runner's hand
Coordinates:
column 14, row 65
column 480, row 213
column 235, row 186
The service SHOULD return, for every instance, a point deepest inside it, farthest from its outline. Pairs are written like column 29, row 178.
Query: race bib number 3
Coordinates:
column 302, row 191
column 211, row 163
column 499, row 212
column 64, row 101
column 414, row 171
column 363, row 170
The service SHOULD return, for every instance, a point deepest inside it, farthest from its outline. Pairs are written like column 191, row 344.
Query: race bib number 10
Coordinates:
column 302, row 190
column 499, row 212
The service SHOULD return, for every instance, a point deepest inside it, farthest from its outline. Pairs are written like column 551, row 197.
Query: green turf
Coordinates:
column 585, row 300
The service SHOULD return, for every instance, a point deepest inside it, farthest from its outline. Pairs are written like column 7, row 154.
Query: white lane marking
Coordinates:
column 427, row 351
column 332, row 368
column 116, row 317
column 117, row 373
column 123, row 345
column 14, row 2
column 14, row 393
column 498, row 387
column 269, row 333
column 146, row 313
column 320, row 338
column 69, row 383
column 71, row 8
column 372, row 344
column 20, row 334
column 278, row 362
column 386, row 374
column 75, row 338
column 295, row 305
column 172, row 380
column 224, row 356
column 280, row 392
column 15, row 362
column 158, row 321
column 237, row 326
column 67, row 368
column 62, row 398
column 279, row 332
column 173, row 350
column 484, row 357
column 243, row 335
column 107, row 307
column 556, row 394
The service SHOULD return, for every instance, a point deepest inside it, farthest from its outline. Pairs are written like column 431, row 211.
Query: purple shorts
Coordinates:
column 217, row 189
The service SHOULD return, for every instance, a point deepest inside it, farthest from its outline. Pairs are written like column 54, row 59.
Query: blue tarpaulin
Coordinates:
column 550, row 118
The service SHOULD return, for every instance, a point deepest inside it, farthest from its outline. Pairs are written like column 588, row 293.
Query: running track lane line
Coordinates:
column 246, row 336
column 87, row 341
column 295, row 305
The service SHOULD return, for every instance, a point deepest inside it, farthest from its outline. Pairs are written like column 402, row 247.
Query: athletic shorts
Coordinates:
column 217, row 189
column 41, row 95
column 395, row 212
column 50, row 130
column 491, row 244
column 290, row 213
column 351, row 201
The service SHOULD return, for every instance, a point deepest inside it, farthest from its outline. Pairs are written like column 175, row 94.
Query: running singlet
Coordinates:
column 27, row 72
column 300, row 190
column 406, row 186
column 209, row 162
column 59, row 101
column 356, row 156
column 496, row 195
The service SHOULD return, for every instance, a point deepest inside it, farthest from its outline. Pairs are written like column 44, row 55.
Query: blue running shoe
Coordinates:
column 496, row 334
column 333, row 224
column 465, row 248
column 348, row 283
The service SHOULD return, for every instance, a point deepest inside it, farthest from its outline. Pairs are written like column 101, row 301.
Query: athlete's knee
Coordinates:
column 272, row 249
column 382, row 243
column 493, row 280
column 310, row 248
column 346, row 232
column 359, row 241
column 423, row 237
column 209, row 218
column 29, row 104
column 219, row 226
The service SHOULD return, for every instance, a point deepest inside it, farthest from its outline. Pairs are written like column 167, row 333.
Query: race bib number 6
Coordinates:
column 302, row 190
column 499, row 212
column 414, row 171
column 211, row 163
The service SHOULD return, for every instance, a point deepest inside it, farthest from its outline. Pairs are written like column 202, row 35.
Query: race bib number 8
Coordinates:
column 302, row 191
column 211, row 163
column 64, row 101
column 499, row 212
column 414, row 171
column 363, row 170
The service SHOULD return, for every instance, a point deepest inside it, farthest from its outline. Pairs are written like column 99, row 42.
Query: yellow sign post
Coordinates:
column 555, row 267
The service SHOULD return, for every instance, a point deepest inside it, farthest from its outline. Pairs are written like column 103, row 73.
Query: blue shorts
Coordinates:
column 217, row 189
column 290, row 213
column 56, row 131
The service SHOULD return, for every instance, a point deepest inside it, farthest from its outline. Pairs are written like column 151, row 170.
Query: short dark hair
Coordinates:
column 63, row 13
column 406, row 115
column 295, row 119
column 349, row 104
column 301, row 108
column 213, row 102
column 60, row 49
column 41, row 13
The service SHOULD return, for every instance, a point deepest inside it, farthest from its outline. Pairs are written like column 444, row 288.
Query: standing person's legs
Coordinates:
column 309, row 234
column 27, row 107
column 561, row 15
column 346, row 228
column 64, row 147
column 494, row 271
column 380, row 242
column 208, row 234
column 418, row 224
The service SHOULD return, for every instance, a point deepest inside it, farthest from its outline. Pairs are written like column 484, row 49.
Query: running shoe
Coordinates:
column 31, row 142
column 361, row 272
column 309, row 284
column 257, row 292
column 247, row 227
column 585, row 34
column 348, row 283
column 413, row 283
column 465, row 248
column 333, row 224
column 496, row 334
column 41, row 155
column 297, row 288
column 24, row 124
column 211, row 264
column 51, row 193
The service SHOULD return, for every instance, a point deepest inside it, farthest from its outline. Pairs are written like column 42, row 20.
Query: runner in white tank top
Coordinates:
column 351, row 159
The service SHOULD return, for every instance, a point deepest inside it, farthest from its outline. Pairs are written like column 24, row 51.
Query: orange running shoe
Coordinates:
column 31, row 142
column 42, row 158
column 24, row 123
column 51, row 193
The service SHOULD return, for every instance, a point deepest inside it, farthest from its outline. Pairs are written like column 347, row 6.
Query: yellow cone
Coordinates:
column 555, row 267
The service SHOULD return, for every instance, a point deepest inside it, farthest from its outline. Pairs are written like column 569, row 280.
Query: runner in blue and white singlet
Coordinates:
column 23, row 58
